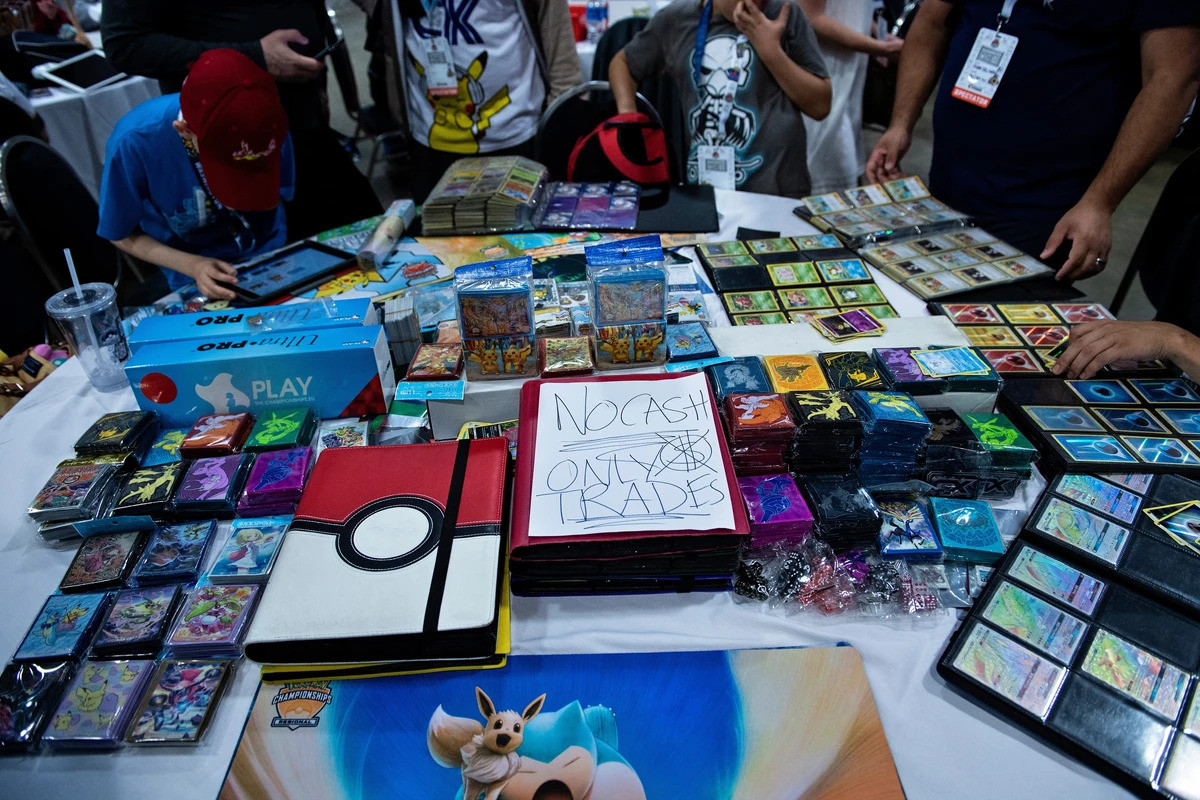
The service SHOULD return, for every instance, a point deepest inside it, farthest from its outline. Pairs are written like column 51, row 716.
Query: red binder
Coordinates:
column 608, row 545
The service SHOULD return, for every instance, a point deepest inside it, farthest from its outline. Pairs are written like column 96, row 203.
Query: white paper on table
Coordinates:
column 621, row 456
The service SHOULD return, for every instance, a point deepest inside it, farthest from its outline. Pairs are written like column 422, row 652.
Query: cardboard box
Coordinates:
column 311, row 315
column 341, row 372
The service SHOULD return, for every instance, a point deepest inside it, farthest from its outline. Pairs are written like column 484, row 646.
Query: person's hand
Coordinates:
column 888, row 49
column 285, row 63
column 764, row 33
column 884, row 163
column 1094, row 345
column 207, row 271
column 1089, row 227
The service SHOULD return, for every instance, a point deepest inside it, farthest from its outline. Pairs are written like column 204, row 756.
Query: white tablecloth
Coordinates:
column 79, row 124
column 944, row 746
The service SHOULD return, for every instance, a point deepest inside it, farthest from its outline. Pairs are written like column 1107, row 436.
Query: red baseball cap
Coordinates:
column 233, row 107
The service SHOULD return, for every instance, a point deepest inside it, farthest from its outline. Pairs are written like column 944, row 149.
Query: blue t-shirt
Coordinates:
column 149, row 184
column 1034, row 151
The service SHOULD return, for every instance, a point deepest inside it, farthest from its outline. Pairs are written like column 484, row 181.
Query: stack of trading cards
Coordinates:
column 844, row 326
column 213, row 621
column 778, row 512
column 853, row 369
column 216, row 435
column 760, row 430
column 1010, row 450
column 137, row 623
column 895, row 430
column 103, row 561
column 436, row 362
column 594, row 206
column 828, row 433
column 568, row 355
column 175, row 553
column 845, row 514
column 967, row 530
column 276, row 482
column 742, row 374
column 904, row 374
column 689, row 341
column 907, row 532
column 210, row 486
column 249, row 551
column 403, row 328
column 98, row 705
column 951, row 362
column 29, row 694
column 1107, row 425
column 481, row 195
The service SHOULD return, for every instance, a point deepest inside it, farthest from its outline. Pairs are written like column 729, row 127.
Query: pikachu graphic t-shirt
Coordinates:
column 500, row 90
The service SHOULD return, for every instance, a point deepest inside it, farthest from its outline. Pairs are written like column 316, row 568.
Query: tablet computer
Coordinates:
column 293, row 269
column 82, row 73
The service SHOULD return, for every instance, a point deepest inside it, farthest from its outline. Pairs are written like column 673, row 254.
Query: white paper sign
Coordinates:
column 624, row 456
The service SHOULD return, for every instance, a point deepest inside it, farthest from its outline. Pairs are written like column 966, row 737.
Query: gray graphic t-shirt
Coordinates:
column 764, row 128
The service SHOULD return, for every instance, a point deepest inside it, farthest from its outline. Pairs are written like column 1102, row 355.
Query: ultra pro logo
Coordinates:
column 220, row 319
column 298, row 704
column 387, row 534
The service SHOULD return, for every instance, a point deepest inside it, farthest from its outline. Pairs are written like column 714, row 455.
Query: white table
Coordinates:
column 79, row 124
column 944, row 746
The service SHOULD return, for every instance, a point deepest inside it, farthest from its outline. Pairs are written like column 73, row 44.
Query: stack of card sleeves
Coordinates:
column 778, row 512
column 828, row 433
column 955, row 460
column 845, row 515
column 895, row 430
column 760, row 430
column 1010, row 450
column 276, row 482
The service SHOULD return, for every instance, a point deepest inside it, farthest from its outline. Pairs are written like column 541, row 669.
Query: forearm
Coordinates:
column 150, row 250
column 1151, row 124
column 135, row 41
column 624, row 87
column 920, row 64
column 830, row 30
column 558, row 44
column 812, row 95
column 1184, row 350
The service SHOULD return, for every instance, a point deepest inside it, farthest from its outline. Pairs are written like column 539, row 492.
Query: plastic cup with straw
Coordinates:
column 88, row 317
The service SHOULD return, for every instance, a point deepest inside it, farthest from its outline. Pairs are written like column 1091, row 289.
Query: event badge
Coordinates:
column 716, row 167
column 439, row 59
column 985, row 67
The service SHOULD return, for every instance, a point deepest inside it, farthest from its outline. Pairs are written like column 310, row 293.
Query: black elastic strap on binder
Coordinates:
column 433, row 610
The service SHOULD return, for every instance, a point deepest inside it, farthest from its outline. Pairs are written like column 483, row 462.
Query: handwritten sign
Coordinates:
column 623, row 456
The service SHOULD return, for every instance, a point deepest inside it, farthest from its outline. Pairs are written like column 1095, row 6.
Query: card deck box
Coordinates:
column 103, row 561
column 216, row 435
column 98, row 705
column 137, row 622
column 64, row 627
column 180, row 702
column 395, row 553
column 147, row 491
column 175, row 553
column 1083, row 663
column 329, row 313
column 339, row 372
column 29, row 694
column 281, row 429
column 119, row 432
column 210, row 486
column 562, row 356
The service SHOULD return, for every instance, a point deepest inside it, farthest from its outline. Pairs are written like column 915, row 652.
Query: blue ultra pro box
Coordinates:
column 340, row 372
column 330, row 313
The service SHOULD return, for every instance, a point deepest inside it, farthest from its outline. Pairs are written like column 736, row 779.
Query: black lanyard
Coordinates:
column 239, row 227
